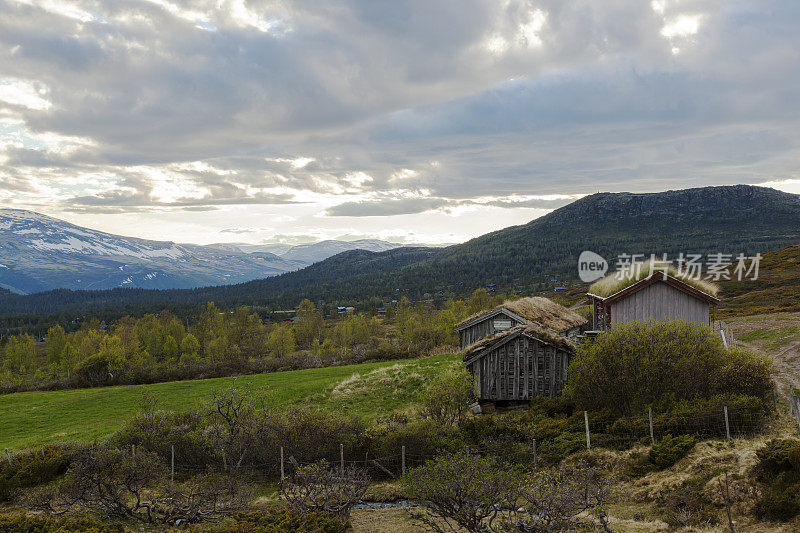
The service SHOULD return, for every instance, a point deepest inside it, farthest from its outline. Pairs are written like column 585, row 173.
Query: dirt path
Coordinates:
column 776, row 336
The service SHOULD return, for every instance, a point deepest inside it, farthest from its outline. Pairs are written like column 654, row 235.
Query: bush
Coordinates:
column 319, row 488
column 20, row 523
column 32, row 468
column 660, row 363
column 778, row 469
column 777, row 503
column 669, row 450
column 278, row 520
column 448, row 398
column 778, row 457
column 462, row 489
column 422, row 438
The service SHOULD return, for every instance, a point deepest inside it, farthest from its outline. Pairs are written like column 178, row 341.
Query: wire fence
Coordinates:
column 592, row 430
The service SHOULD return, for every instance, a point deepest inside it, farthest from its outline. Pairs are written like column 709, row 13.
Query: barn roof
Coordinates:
column 658, row 277
column 532, row 309
column 614, row 283
column 535, row 331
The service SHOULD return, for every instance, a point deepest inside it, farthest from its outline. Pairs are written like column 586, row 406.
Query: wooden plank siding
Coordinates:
column 520, row 369
column 482, row 329
column 658, row 302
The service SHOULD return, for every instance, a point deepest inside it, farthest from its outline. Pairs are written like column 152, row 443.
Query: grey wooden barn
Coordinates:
column 658, row 297
column 519, row 364
column 532, row 310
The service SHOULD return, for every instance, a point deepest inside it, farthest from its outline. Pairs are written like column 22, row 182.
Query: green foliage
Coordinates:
column 778, row 470
column 448, row 397
column 277, row 520
column 33, row 468
column 21, row 523
column 660, row 363
column 669, row 450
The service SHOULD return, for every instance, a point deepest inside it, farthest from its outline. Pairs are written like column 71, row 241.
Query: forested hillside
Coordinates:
column 735, row 219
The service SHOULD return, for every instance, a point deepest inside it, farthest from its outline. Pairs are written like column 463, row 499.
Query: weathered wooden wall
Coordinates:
column 482, row 329
column 659, row 301
column 520, row 369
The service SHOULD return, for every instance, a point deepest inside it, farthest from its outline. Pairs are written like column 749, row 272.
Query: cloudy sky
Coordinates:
column 418, row 121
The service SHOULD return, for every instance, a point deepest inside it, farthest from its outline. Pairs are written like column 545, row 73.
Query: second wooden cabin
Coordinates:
column 523, row 362
column 520, row 349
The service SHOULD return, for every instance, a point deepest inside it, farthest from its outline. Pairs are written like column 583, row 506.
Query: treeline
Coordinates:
column 164, row 347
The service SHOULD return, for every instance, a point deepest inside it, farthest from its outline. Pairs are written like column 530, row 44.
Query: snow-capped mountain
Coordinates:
column 39, row 253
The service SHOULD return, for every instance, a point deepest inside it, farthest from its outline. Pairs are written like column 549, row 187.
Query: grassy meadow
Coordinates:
column 370, row 390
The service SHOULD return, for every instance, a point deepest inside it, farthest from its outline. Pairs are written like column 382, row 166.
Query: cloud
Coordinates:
column 325, row 112
column 388, row 207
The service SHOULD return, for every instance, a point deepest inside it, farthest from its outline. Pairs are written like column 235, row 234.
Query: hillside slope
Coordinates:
column 735, row 219
column 39, row 253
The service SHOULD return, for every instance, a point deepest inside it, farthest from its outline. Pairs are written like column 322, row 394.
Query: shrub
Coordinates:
column 777, row 503
column 118, row 485
column 319, row 488
column 777, row 457
column 422, row 438
column 33, row 468
column 669, row 450
column 448, row 398
column 16, row 523
column 462, row 489
column 660, row 363
column 778, row 469
column 277, row 520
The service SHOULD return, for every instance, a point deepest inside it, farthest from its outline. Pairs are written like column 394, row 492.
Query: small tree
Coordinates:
column 448, row 398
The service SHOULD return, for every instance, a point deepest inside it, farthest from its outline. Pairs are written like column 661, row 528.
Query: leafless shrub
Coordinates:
column 121, row 486
column 233, row 432
column 481, row 495
column 317, row 487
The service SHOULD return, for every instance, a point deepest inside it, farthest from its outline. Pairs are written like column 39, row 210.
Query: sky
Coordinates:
column 412, row 121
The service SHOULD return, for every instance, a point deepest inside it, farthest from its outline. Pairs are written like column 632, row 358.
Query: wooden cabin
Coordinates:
column 658, row 296
column 519, row 363
column 532, row 310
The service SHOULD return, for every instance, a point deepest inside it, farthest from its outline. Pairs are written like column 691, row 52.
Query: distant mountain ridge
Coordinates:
column 39, row 253
column 525, row 258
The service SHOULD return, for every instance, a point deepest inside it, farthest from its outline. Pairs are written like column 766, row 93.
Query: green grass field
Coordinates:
column 369, row 390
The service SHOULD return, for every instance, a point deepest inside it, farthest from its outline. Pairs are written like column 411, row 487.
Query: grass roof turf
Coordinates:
column 542, row 310
column 534, row 330
column 613, row 283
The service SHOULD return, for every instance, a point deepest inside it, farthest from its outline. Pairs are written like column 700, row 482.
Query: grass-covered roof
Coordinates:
column 613, row 283
column 542, row 310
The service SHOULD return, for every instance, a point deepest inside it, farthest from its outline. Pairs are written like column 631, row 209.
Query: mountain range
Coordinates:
column 40, row 253
column 531, row 258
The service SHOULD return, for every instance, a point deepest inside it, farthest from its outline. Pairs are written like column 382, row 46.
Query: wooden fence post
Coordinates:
column 534, row 452
column 727, row 425
column 172, row 464
column 282, row 470
column 650, row 416
column 341, row 457
column 8, row 456
column 586, row 419
column 403, row 460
